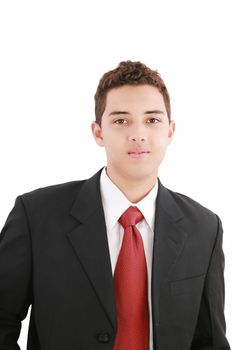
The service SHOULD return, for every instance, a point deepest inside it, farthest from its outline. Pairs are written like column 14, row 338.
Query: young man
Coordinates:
column 116, row 261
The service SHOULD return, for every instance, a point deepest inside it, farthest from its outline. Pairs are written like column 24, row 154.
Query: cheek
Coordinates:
column 113, row 147
column 160, row 141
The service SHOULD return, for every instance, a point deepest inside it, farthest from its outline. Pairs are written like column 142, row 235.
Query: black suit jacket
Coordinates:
column 54, row 256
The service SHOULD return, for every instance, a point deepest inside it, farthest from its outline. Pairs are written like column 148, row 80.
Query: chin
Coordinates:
column 141, row 172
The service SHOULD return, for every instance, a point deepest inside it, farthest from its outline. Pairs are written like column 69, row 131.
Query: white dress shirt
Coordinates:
column 114, row 204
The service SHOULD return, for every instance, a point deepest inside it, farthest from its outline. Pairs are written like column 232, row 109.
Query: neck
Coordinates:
column 135, row 189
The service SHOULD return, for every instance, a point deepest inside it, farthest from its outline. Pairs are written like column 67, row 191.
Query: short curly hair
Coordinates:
column 128, row 73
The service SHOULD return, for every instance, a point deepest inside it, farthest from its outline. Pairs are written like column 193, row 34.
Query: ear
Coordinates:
column 171, row 131
column 97, row 133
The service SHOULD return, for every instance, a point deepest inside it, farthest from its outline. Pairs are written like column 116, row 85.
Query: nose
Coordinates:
column 137, row 139
column 137, row 134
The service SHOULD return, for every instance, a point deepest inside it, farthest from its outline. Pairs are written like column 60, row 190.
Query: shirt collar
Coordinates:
column 115, row 202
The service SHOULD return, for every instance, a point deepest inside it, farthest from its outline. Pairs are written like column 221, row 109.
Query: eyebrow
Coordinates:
column 155, row 111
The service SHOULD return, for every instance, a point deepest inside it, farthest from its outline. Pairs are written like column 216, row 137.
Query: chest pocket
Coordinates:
column 190, row 285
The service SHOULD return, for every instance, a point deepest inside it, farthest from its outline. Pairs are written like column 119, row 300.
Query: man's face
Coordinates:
column 135, row 131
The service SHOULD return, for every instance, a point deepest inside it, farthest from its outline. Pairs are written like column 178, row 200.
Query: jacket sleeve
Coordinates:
column 15, row 275
column 210, row 332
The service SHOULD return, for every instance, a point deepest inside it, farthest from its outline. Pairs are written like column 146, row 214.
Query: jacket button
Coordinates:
column 103, row 337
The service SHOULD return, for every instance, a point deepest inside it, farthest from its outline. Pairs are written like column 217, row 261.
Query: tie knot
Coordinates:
column 130, row 217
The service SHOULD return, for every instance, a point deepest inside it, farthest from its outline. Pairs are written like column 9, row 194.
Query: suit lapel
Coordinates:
column 169, row 240
column 89, row 241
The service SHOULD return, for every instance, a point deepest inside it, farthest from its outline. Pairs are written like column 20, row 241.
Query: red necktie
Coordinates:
column 131, row 288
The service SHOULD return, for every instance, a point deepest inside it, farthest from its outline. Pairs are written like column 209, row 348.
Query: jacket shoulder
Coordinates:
column 52, row 195
column 195, row 215
column 191, row 207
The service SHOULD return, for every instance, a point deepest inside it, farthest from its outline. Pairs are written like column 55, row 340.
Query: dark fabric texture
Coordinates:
column 54, row 256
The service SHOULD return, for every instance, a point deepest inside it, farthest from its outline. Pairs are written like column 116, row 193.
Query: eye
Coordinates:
column 153, row 120
column 119, row 121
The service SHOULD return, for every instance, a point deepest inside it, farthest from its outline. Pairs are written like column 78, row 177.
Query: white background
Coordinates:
column 53, row 54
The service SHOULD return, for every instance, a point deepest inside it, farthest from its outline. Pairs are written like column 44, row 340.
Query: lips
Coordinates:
column 138, row 151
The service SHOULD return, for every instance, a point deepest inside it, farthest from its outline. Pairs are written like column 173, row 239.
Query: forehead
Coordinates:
column 134, row 95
